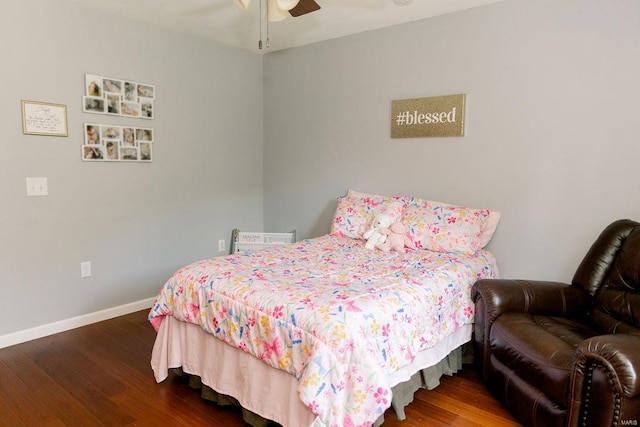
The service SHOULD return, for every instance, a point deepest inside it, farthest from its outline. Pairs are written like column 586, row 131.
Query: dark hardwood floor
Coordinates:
column 99, row 375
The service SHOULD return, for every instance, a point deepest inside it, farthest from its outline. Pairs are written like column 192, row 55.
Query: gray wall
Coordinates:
column 135, row 222
column 551, row 136
column 551, row 141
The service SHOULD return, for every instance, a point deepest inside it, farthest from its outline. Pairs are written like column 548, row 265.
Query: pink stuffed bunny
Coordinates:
column 397, row 238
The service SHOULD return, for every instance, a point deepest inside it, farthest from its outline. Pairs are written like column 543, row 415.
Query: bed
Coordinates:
column 325, row 332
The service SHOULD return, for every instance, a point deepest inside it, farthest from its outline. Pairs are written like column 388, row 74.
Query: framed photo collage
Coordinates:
column 109, row 96
column 114, row 143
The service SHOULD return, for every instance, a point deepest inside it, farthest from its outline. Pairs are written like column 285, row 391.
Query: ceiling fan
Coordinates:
column 277, row 10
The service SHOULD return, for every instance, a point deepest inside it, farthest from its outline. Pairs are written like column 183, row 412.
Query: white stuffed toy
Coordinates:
column 373, row 236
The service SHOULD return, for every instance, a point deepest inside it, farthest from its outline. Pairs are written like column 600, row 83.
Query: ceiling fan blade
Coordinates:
column 243, row 5
column 304, row 7
column 287, row 4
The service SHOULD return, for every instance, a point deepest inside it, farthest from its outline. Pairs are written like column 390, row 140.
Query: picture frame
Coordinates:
column 92, row 153
column 129, row 154
column 44, row 118
column 118, row 97
column 111, row 133
column 144, row 134
column 113, row 103
column 146, row 108
column 113, row 143
column 112, row 86
column 145, row 151
column 129, row 136
column 130, row 91
column 146, row 90
column 93, row 104
column 130, row 109
column 92, row 134
column 93, row 85
column 111, row 150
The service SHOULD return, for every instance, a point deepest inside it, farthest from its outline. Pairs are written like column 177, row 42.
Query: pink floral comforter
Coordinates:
column 338, row 317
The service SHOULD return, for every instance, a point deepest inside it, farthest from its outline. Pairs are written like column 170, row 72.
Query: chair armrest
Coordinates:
column 492, row 297
column 605, row 372
column 528, row 296
column 619, row 354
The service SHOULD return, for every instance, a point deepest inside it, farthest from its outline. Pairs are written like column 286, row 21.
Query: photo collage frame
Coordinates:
column 107, row 142
column 117, row 143
column 117, row 97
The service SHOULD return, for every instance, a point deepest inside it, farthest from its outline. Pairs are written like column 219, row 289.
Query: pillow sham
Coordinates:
column 490, row 223
column 445, row 228
column 354, row 215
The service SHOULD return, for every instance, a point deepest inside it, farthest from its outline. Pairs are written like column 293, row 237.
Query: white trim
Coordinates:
column 72, row 323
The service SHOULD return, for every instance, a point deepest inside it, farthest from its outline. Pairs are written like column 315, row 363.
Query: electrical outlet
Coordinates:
column 85, row 269
column 221, row 245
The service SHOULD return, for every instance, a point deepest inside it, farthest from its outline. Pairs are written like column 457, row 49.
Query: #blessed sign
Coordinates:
column 425, row 117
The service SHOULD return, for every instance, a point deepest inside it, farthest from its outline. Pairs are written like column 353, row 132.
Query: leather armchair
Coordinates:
column 567, row 354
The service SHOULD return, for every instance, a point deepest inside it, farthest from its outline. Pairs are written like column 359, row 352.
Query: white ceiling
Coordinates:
column 222, row 21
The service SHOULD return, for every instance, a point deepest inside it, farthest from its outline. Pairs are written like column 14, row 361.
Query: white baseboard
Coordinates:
column 74, row 322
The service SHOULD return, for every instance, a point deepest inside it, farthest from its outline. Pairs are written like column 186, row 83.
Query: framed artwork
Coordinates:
column 93, row 85
column 144, row 134
column 146, row 91
column 129, row 154
column 114, row 103
column 130, row 109
column 118, row 97
column 91, row 134
column 146, row 108
column 112, row 86
column 117, row 143
column 108, row 95
column 130, row 91
column 92, row 153
column 145, row 151
column 111, row 150
column 93, row 104
column 43, row 118
column 111, row 132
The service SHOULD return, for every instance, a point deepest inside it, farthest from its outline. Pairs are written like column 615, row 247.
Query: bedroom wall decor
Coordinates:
column 428, row 117
column 106, row 95
column 126, row 98
column 43, row 118
column 117, row 143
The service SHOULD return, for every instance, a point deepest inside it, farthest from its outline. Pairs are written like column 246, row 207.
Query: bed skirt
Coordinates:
column 229, row 376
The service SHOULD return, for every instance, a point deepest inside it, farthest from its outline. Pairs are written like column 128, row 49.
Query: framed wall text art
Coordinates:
column 428, row 117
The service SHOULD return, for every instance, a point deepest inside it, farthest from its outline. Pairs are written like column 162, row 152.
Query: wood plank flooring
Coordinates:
column 99, row 375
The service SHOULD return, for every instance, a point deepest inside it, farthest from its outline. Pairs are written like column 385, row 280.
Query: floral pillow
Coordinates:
column 490, row 226
column 354, row 215
column 445, row 228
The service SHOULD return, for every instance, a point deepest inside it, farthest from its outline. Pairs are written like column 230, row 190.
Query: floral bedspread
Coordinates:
column 338, row 317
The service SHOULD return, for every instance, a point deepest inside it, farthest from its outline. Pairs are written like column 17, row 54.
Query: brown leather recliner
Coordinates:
column 559, row 354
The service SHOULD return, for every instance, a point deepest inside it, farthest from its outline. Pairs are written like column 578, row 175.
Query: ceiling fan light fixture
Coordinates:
column 274, row 13
column 287, row 4
column 243, row 5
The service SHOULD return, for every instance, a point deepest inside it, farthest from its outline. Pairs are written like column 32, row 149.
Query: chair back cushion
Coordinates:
column 610, row 272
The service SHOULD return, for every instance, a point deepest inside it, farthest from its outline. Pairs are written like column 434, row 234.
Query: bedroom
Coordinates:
column 550, row 141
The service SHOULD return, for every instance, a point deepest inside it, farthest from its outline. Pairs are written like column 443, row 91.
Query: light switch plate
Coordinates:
column 37, row 186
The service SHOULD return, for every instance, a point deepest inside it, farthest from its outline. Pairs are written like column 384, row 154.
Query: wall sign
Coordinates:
column 43, row 118
column 428, row 117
